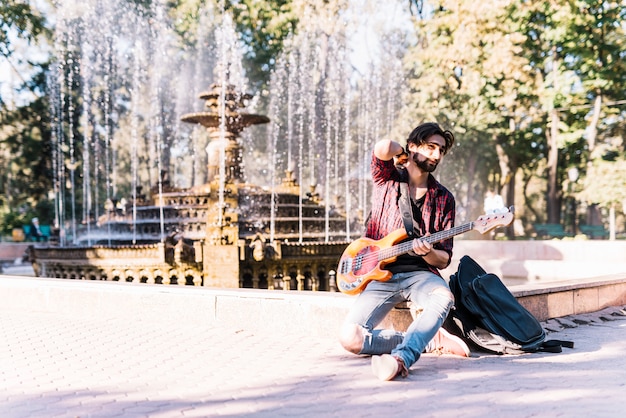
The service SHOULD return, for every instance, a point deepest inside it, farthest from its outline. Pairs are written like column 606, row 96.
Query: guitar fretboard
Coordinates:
column 407, row 246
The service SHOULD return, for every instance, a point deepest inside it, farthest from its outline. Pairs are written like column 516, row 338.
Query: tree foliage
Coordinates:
column 25, row 157
column 24, row 130
column 20, row 18
column 577, row 48
column 468, row 73
column 263, row 26
column 526, row 85
column 531, row 88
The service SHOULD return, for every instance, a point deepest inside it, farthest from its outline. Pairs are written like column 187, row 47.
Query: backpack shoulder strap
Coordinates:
column 555, row 346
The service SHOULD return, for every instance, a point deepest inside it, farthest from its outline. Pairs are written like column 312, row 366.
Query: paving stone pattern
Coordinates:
column 60, row 366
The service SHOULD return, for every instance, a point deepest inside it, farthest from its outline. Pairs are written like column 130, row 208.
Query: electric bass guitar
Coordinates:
column 364, row 259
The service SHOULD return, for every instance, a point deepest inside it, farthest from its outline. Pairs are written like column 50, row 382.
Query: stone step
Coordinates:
column 309, row 313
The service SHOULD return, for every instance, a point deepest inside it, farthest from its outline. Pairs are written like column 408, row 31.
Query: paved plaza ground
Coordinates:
column 61, row 365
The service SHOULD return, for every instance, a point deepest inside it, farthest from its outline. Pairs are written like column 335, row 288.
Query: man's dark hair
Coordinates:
column 424, row 131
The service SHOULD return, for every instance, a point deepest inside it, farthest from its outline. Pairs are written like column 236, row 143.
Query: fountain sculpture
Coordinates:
column 209, row 243
column 220, row 228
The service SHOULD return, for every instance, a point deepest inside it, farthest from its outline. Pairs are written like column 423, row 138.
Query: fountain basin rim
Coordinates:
column 212, row 120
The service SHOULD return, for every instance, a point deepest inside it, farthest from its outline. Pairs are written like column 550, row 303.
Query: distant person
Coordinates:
column 35, row 231
column 493, row 203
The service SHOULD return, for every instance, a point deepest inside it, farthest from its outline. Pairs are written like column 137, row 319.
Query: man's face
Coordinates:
column 428, row 155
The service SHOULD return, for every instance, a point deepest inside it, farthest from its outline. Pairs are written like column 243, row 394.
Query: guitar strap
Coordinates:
column 405, row 209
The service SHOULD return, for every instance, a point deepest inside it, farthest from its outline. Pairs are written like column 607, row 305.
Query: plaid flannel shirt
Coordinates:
column 438, row 212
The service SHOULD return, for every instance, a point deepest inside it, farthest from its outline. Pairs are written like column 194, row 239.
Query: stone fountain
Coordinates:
column 225, row 233
column 225, row 136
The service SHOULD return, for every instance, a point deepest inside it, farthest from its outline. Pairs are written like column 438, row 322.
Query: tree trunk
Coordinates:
column 612, row 222
column 554, row 209
column 509, row 199
column 471, row 212
column 507, row 185
column 504, row 162
column 593, row 125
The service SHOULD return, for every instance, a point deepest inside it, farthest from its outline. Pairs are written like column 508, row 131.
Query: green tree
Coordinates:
column 264, row 26
column 26, row 150
column 26, row 22
column 597, row 45
column 19, row 19
column 468, row 73
column 518, row 92
column 575, row 48
column 24, row 132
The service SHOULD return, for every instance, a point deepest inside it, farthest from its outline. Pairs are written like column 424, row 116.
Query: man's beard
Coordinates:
column 426, row 165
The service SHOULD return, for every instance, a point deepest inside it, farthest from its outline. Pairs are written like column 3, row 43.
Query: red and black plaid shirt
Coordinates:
column 438, row 212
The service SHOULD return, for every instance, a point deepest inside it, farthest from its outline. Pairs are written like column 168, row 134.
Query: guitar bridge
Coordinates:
column 348, row 287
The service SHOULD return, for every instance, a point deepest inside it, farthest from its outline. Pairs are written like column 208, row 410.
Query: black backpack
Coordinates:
column 490, row 318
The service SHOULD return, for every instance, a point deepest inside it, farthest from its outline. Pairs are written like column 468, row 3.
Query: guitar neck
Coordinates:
column 407, row 246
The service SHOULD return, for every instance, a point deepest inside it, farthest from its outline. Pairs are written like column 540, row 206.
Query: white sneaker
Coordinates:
column 387, row 367
column 445, row 343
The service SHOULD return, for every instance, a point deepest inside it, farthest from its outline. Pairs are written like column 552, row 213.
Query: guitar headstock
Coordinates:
column 487, row 222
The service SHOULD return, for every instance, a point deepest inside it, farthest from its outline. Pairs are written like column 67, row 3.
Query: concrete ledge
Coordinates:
column 309, row 313
column 261, row 310
column 550, row 270
column 553, row 300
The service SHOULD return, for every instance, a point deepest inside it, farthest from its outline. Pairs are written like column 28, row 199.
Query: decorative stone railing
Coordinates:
column 297, row 250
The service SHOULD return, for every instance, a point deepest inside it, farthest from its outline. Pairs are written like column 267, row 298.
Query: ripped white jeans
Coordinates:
column 379, row 298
